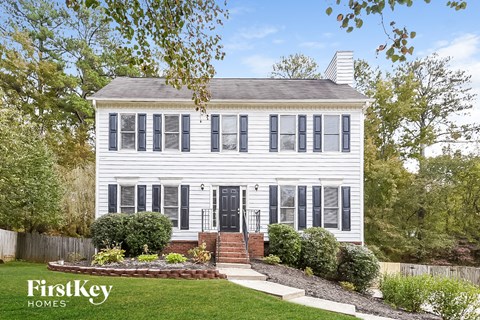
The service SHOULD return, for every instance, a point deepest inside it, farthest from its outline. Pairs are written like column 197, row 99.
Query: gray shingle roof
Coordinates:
column 146, row 89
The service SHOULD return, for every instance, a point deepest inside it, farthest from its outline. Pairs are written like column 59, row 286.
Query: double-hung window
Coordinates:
column 172, row 132
column 331, row 207
column 127, row 131
column 331, row 134
column 229, row 132
column 287, row 133
column 171, row 204
column 287, row 205
column 127, row 199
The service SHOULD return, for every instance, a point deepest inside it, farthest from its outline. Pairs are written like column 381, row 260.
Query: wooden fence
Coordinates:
column 41, row 248
column 466, row 273
column 8, row 245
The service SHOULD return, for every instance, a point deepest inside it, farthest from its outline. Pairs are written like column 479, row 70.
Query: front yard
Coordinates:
column 144, row 299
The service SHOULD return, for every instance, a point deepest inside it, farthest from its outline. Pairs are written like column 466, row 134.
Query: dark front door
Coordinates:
column 230, row 209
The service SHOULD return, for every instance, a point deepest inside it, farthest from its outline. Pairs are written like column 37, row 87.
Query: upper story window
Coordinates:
column 229, row 132
column 171, row 204
column 127, row 131
column 331, row 207
column 331, row 134
column 287, row 205
column 172, row 132
column 287, row 133
column 127, row 199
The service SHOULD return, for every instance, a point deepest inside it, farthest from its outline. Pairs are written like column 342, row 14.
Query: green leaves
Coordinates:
column 296, row 66
column 397, row 39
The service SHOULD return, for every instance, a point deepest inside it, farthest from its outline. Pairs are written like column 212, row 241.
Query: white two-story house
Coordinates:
column 267, row 151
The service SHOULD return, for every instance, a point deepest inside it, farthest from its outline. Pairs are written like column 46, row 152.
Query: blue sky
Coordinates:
column 259, row 32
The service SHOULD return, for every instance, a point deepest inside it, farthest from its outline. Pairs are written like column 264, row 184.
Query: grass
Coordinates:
column 136, row 298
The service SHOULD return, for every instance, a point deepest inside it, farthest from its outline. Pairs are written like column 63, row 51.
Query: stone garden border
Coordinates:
column 139, row 272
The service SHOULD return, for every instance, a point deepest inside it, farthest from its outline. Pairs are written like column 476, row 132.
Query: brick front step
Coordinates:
column 227, row 254
column 240, row 245
column 233, row 260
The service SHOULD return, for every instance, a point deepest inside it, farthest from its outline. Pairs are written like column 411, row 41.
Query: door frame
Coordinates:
column 217, row 188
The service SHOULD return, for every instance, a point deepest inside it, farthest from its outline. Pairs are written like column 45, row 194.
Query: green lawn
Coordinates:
column 134, row 298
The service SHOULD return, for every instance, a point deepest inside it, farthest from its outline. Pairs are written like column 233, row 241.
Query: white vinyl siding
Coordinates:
column 172, row 132
column 331, row 207
column 331, row 135
column 127, row 199
column 244, row 169
column 127, row 131
column 287, row 133
column 229, row 132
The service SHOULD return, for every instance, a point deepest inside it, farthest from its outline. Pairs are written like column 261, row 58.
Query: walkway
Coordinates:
column 243, row 275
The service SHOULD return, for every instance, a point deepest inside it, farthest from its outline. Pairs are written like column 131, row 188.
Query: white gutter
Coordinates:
column 236, row 100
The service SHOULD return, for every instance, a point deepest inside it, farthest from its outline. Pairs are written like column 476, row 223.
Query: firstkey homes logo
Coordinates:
column 39, row 289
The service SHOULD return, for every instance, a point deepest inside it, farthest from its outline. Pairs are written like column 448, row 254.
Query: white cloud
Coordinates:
column 462, row 48
column 313, row 45
column 278, row 41
column 257, row 32
column 236, row 11
column 259, row 65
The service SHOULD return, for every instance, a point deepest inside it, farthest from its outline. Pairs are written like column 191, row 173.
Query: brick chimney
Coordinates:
column 340, row 69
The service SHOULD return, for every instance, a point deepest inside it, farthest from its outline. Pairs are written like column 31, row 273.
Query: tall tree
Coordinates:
column 29, row 186
column 296, row 66
column 51, row 58
column 182, row 30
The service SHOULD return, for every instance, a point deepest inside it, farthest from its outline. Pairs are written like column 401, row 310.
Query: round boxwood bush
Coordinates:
column 110, row 230
column 148, row 228
column 358, row 265
column 319, row 252
column 284, row 242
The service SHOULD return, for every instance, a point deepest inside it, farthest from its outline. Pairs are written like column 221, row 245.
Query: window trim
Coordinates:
column 237, row 133
column 295, row 200
column 295, row 133
column 178, row 203
column 323, row 207
column 165, row 132
column 121, row 132
column 339, row 133
column 119, row 197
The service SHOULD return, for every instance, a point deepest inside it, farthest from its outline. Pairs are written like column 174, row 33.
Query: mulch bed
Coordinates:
column 324, row 289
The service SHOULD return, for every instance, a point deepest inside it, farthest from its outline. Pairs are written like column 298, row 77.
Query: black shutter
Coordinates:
column 243, row 133
column 215, row 138
column 273, row 204
column 184, row 207
column 345, row 133
column 141, row 198
column 156, row 196
column 273, row 133
column 142, row 132
column 317, row 206
column 112, row 132
column 302, row 207
column 157, row 132
column 185, row 133
column 112, row 198
column 346, row 210
column 302, row 133
column 317, row 133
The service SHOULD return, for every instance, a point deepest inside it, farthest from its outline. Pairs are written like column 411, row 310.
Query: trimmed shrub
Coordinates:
column 406, row 292
column 272, row 259
column 148, row 228
column 285, row 243
column 147, row 257
column 455, row 299
column 319, row 250
column 175, row 258
column 347, row 285
column 110, row 230
column 358, row 265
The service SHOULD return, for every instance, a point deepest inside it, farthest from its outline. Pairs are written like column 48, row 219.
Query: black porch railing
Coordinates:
column 251, row 220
